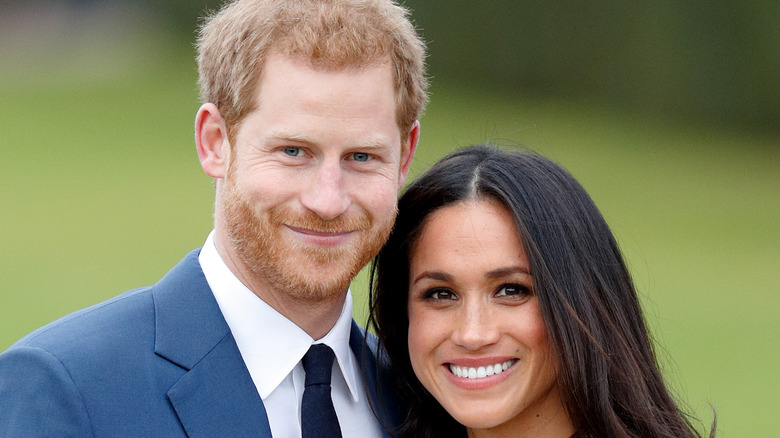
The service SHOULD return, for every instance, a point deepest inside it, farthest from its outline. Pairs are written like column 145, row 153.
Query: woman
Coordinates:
column 504, row 284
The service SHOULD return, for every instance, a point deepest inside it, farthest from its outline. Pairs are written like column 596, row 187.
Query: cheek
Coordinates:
column 426, row 333
column 533, row 329
column 417, row 335
column 526, row 326
column 535, row 336
column 266, row 191
column 379, row 196
column 539, row 332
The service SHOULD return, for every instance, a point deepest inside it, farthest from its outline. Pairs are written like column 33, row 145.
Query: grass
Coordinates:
column 102, row 192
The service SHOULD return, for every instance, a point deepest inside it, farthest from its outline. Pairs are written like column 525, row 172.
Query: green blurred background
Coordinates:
column 666, row 111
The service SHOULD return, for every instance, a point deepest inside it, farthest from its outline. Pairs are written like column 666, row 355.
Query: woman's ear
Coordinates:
column 211, row 140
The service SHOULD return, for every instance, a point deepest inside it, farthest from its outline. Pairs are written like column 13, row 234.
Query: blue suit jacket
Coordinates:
column 158, row 361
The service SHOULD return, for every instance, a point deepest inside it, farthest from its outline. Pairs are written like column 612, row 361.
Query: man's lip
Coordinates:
column 319, row 233
column 320, row 238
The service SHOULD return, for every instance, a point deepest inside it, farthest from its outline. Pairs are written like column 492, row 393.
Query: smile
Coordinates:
column 318, row 232
column 481, row 372
column 322, row 238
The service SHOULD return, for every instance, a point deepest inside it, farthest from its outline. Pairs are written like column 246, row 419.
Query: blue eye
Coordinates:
column 293, row 151
column 360, row 156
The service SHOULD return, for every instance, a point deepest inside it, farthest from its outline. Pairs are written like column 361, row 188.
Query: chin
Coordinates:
column 474, row 421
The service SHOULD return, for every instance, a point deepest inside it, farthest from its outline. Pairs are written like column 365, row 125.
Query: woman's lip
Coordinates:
column 479, row 377
column 479, row 361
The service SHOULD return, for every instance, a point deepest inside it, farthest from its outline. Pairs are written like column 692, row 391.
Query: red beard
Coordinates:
column 300, row 271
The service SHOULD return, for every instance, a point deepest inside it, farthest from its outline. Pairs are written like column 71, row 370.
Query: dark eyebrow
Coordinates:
column 433, row 275
column 506, row 272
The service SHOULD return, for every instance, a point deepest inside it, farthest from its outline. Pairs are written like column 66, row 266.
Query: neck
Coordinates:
column 314, row 316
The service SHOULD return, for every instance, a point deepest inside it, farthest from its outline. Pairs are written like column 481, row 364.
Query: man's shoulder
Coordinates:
column 96, row 327
column 124, row 321
column 99, row 366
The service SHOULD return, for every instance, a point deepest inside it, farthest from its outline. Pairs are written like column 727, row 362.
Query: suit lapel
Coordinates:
column 383, row 399
column 216, row 396
column 215, row 400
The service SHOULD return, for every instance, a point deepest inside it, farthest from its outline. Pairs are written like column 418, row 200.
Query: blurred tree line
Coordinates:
column 715, row 59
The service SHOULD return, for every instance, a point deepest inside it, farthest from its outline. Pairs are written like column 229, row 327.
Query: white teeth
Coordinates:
column 481, row 372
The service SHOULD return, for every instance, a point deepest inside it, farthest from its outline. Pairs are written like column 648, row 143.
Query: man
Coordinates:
column 309, row 128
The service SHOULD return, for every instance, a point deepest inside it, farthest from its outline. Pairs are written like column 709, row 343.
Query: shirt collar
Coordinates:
column 270, row 344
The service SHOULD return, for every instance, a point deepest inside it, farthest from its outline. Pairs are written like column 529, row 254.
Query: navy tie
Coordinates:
column 318, row 417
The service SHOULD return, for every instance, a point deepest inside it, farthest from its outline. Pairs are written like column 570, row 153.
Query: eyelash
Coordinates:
column 429, row 295
column 295, row 152
column 522, row 292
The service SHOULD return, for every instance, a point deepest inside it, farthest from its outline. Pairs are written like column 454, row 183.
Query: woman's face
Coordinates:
column 477, row 340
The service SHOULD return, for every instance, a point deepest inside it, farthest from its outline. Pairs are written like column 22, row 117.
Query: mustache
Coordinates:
column 310, row 221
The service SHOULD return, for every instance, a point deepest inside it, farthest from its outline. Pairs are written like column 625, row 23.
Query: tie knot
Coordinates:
column 317, row 364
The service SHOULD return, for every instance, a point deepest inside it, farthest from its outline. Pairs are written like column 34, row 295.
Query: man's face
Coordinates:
column 311, row 188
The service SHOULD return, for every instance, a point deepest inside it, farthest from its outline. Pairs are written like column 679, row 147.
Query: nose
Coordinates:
column 475, row 329
column 326, row 194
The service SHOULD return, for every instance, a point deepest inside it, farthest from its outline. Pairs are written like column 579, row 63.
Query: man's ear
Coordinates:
column 211, row 140
column 408, row 147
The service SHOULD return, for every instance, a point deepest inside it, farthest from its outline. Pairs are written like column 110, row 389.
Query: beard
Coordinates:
column 303, row 272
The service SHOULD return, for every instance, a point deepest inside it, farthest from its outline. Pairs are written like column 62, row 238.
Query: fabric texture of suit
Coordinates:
column 157, row 361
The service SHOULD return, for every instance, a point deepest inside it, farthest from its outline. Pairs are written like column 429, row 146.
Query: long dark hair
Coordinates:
column 609, row 379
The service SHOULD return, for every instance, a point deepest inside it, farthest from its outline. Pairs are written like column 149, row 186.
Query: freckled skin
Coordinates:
column 471, row 297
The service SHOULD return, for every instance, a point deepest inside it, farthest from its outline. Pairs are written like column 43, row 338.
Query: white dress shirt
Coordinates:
column 272, row 347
